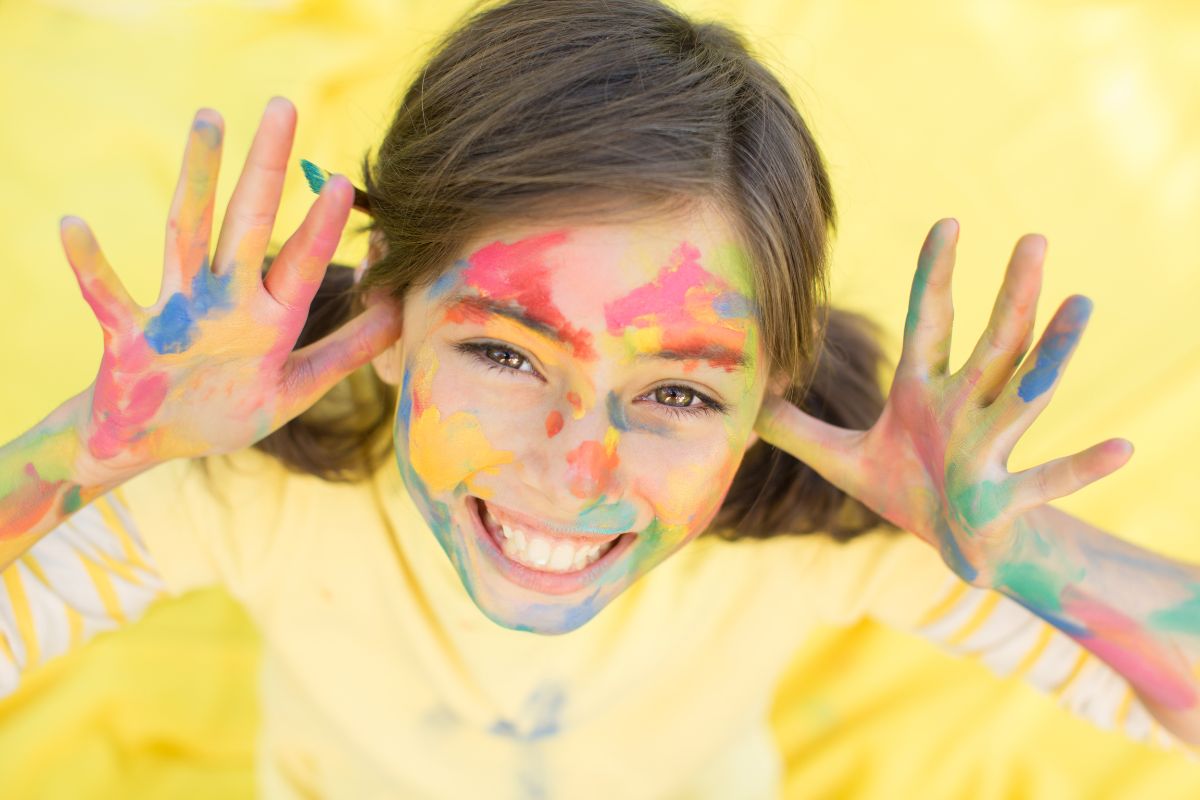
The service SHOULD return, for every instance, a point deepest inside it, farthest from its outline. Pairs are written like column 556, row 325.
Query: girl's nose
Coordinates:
column 592, row 465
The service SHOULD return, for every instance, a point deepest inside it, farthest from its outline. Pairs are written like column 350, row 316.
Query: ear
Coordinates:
column 387, row 364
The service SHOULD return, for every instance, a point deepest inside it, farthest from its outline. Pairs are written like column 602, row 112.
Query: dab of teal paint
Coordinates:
column 446, row 280
column 72, row 502
column 315, row 176
column 980, row 503
column 1053, row 352
column 1037, row 587
column 1181, row 618
column 171, row 330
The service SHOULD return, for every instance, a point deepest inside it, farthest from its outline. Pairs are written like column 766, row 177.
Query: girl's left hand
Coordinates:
column 935, row 462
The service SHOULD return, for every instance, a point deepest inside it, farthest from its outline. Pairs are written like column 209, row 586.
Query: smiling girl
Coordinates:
column 604, row 375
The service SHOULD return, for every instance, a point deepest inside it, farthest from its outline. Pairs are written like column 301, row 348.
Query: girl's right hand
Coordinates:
column 209, row 368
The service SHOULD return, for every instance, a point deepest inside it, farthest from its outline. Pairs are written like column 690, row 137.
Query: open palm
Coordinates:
column 935, row 462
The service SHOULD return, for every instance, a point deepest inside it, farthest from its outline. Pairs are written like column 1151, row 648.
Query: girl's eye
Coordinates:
column 497, row 356
column 680, row 400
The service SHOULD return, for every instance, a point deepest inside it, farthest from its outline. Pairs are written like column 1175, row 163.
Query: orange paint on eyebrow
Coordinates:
column 554, row 424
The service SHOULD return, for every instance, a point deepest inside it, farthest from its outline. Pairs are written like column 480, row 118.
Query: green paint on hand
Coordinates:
column 1037, row 587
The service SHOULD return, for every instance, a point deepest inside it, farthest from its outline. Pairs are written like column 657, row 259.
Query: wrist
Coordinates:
column 98, row 467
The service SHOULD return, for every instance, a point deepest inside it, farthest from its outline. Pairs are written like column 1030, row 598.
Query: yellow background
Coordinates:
column 1080, row 121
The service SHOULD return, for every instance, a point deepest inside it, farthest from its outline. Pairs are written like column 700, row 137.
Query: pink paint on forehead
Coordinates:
column 690, row 305
column 518, row 273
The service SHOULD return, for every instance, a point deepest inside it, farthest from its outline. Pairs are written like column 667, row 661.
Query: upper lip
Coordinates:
column 530, row 524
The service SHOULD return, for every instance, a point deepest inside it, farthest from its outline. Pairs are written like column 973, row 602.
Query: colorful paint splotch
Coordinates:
column 554, row 424
column 518, row 273
column 591, row 466
column 685, row 309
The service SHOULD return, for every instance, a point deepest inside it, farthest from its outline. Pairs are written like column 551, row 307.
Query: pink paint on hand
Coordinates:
column 518, row 273
column 121, row 413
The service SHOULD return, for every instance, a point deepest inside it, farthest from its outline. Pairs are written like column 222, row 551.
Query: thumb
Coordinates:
column 315, row 368
column 831, row 451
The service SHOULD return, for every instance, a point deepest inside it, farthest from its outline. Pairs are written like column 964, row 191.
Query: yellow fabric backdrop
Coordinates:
column 1076, row 120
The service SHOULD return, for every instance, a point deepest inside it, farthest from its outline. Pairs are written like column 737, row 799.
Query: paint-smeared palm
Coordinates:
column 209, row 368
column 935, row 463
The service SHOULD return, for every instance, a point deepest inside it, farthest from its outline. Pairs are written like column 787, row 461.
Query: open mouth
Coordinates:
column 543, row 561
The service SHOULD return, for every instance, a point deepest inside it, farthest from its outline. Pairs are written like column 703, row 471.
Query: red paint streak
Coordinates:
column 576, row 402
column 466, row 311
column 1128, row 648
column 120, row 411
column 28, row 504
column 554, row 424
column 517, row 273
column 680, row 290
column 591, row 469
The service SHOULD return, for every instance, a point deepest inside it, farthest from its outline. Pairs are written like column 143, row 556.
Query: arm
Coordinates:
column 1137, row 611
column 47, row 474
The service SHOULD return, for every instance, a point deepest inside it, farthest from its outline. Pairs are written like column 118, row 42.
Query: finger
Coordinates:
column 101, row 287
column 295, row 274
column 926, row 348
column 250, row 216
column 1067, row 475
column 314, row 369
column 189, row 224
column 1030, row 390
column 826, row 448
column 1009, row 331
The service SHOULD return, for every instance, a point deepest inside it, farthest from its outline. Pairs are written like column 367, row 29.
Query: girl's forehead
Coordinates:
column 593, row 274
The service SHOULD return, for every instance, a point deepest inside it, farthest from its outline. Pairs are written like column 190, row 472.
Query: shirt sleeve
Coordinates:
column 90, row 574
column 909, row 587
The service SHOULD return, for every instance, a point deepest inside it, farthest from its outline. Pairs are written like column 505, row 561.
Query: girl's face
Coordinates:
column 574, row 403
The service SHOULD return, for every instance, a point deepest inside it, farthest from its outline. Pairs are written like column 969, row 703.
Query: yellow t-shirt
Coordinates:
column 380, row 678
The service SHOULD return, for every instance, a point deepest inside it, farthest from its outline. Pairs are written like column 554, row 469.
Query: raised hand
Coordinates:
column 935, row 463
column 209, row 368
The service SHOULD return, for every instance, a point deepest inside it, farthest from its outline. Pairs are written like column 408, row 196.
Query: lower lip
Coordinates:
column 538, row 581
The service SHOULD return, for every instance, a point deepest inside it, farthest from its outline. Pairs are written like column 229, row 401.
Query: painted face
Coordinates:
column 574, row 403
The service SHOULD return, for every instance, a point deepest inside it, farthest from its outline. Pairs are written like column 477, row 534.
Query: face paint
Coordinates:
column 548, row 515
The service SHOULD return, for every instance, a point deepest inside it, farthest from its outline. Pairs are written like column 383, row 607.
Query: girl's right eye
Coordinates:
column 497, row 356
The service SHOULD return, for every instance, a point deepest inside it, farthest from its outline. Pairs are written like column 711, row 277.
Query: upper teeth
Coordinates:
column 540, row 552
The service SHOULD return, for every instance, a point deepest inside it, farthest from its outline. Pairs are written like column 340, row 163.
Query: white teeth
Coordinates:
column 540, row 552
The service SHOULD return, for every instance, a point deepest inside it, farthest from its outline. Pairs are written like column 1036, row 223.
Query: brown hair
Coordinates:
column 597, row 106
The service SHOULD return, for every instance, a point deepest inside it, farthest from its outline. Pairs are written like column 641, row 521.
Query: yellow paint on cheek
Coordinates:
column 685, row 490
column 445, row 453
column 611, row 437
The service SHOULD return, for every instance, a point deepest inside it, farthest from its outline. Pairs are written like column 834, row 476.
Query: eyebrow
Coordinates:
column 717, row 354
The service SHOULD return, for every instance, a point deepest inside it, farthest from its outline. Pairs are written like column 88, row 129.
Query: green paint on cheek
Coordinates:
column 1182, row 618
column 72, row 501
column 1037, row 587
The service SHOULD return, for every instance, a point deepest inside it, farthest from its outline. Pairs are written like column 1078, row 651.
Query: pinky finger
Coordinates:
column 315, row 368
column 101, row 287
column 1067, row 475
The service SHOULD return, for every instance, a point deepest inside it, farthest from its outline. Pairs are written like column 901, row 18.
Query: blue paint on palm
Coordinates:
column 171, row 330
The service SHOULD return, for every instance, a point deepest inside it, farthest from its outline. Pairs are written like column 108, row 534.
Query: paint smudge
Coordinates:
column 1057, row 345
column 554, row 424
column 171, row 330
column 591, row 466
column 517, row 273
column 684, row 309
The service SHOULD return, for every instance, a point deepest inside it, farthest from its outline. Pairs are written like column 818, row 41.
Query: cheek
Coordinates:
column 686, row 484
column 447, row 444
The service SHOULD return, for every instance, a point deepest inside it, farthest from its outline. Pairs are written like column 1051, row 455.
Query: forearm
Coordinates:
column 1136, row 610
column 47, row 474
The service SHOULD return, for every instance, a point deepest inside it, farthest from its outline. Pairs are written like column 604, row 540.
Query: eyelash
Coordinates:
column 478, row 351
